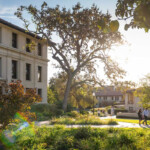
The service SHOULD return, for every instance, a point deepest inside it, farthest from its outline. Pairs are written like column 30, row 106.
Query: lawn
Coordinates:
column 86, row 138
column 130, row 120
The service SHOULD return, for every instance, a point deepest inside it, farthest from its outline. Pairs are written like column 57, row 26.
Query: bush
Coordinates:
column 84, row 112
column 46, row 111
column 83, row 133
column 59, row 105
column 86, row 138
column 83, row 120
column 65, row 143
column 125, row 139
column 15, row 100
column 73, row 114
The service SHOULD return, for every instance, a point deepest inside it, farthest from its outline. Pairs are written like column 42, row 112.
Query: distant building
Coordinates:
column 18, row 62
column 108, row 96
column 131, row 101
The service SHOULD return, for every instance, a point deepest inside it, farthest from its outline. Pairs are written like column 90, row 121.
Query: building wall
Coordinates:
column 8, row 53
column 107, row 100
column 132, row 107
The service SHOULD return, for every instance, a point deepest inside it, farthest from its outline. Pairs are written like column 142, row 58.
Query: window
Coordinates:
column 28, row 41
column 112, row 98
column 131, row 109
column 116, row 98
column 105, row 97
column 28, row 71
column 39, row 73
column 14, row 69
column 14, row 40
column 130, row 98
column 0, row 35
column 1, row 90
column 40, row 92
column 39, row 49
column 0, row 67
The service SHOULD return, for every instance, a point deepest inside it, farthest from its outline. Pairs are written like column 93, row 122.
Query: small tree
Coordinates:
column 85, row 37
column 143, row 92
column 15, row 100
column 82, row 96
column 136, row 11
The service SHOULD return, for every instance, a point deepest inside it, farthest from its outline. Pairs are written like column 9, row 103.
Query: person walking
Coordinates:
column 140, row 116
column 145, row 113
column 98, row 112
column 112, row 111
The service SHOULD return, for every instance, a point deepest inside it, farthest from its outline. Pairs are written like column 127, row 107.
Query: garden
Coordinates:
column 85, row 138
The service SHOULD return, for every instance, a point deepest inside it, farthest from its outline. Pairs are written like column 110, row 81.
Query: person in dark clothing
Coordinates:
column 140, row 116
column 145, row 113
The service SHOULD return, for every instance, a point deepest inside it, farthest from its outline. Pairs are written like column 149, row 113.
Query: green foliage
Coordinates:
column 84, row 112
column 80, row 39
column 82, row 97
column 85, row 138
column 46, row 111
column 82, row 120
column 73, row 114
column 137, row 11
column 15, row 100
column 65, row 143
column 51, row 99
column 83, row 133
column 143, row 92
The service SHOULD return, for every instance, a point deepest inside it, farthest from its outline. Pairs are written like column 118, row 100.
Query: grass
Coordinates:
column 86, row 138
column 82, row 120
column 130, row 120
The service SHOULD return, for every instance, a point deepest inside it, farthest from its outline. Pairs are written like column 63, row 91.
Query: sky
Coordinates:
column 133, row 57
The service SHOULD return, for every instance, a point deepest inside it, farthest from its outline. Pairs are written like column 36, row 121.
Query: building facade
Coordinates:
column 131, row 101
column 19, row 62
column 108, row 96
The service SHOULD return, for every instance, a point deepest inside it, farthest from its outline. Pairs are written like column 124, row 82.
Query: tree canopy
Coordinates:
column 136, row 11
column 143, row 92
column 80, row 95
column 84, row 37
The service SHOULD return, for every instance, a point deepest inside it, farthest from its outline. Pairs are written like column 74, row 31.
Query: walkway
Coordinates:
column 120, row 125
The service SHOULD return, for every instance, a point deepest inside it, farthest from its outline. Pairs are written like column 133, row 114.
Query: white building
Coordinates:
column 132, row 103
column 108, row 96
column 18, row 62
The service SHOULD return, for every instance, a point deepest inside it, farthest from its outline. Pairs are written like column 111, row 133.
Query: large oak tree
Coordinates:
column 77, row 38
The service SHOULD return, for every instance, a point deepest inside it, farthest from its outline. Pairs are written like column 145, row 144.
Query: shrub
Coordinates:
column 126, row 139
column 65, row 143
column 83, row 133
column 83, row 120
column 86, row 138
column 73, row 114
column 16, row 100
column 112, row 143
column 112, row 122
column 84, row 112
column 46, row 111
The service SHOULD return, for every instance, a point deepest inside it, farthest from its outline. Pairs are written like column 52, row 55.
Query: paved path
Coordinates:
column 120, row 125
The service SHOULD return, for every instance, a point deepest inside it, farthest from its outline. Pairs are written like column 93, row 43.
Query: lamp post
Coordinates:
column 93, row 102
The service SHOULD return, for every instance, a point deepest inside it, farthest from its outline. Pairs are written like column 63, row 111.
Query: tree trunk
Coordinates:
column 67, row 91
